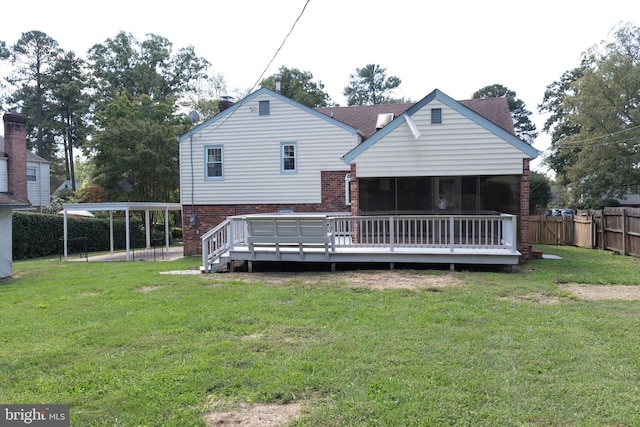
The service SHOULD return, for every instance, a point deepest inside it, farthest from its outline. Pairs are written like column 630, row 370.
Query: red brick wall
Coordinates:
column 208, row 216
column 15, row 145
column 355, row 192
column 524, row 245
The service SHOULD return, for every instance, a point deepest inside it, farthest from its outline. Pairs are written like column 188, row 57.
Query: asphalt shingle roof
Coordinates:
column 364, row 117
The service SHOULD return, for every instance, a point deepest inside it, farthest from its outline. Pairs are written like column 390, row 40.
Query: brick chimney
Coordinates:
column 224, row 103
column 15, row 147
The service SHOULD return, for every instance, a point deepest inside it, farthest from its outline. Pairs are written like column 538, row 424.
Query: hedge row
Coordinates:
column 36, row 235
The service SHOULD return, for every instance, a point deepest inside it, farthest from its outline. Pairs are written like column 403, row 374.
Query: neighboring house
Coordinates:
column 59, row 186
column 38, row 173
column 13, row 184
column 268, row 153
column 38, row 181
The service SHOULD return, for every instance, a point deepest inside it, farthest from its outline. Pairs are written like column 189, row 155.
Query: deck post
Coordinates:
column 392, row 233
column 452, row 230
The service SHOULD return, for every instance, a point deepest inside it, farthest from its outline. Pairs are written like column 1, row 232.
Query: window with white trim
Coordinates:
column 289, row 156
column 214, row 162
column 32, row 174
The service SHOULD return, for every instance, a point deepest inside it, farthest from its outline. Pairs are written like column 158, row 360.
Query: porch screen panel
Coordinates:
column 377, row 195
column 470, row 189
column 500, row 194
column 415, row 195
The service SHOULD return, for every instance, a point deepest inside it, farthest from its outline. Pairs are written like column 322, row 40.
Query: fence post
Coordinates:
column 624, row 231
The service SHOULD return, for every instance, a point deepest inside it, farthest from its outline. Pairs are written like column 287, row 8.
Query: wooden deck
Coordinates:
column 434, row 239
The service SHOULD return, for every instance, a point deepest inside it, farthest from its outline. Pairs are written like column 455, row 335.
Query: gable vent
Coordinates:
column 383, row 120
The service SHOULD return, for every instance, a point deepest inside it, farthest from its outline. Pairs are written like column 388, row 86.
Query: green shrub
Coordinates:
column 176, row 232
column 36, row 235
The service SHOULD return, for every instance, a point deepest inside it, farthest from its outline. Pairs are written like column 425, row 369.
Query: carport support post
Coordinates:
column 127, row 234
column 146, row 227
column 111, row 231
column 65, row 234
column 166, row 229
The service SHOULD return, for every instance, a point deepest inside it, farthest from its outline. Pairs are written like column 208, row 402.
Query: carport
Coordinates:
column 147, row 207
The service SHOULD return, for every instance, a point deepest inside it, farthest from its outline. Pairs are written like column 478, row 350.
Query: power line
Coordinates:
column 265, row 69
column 582, row 142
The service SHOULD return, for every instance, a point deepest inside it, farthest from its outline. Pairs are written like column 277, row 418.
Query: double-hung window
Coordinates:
column 289, row 156
column 32, row 174
column 214, row 162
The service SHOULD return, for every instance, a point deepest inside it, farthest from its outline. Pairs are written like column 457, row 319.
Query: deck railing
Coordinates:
column 392, row 232
column 427, row 231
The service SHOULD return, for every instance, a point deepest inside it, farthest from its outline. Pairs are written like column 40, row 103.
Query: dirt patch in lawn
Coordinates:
column 535, row 297
column 374, row 279
column 255, row 415
column 149, row 288
column 595, row 292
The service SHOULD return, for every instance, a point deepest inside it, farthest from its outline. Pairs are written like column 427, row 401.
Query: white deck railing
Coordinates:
column 448, row 232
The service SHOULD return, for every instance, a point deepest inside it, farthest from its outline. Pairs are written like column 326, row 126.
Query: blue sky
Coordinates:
column 457, row 46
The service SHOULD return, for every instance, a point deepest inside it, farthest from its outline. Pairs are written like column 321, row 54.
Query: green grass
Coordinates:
column 84, row 334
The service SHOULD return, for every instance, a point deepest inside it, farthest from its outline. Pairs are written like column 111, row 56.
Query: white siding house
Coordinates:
column 268, row 153
column 263, row 154
column 38, row 181
column 457, row 145
column 250, row 146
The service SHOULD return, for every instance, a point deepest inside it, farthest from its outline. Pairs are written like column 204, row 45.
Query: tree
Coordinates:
column 4, row 51
column 33, row 55
column 299, row 86
column 206, row 98
column 558, row 124
column 125, row 65
column 139, row 86
column 370, row 85
column 70, row 107
column 525, row 130
column 136, row 153
column 599, row 113
column 539, row 192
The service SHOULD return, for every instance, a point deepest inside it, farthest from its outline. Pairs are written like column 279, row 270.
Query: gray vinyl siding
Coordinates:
column 252, row 156
column 456, row 147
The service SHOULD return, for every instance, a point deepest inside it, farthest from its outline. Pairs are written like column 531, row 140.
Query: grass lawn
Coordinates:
column 126, row 346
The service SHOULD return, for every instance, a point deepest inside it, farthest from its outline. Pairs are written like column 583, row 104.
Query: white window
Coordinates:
column 289, row 155
column 32, row 174
column 214, row 162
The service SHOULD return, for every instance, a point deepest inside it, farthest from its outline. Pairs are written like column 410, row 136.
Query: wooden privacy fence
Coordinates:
column 615, row 229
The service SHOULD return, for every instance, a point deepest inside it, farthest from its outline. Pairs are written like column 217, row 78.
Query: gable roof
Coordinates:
column 222, row 117
column 460, row 107
column 364, row 117
column 32, row 157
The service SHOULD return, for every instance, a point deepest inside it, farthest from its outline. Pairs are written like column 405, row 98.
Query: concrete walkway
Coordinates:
column 137, row 255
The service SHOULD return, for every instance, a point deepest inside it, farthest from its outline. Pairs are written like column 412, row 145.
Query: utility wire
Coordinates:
column 582, row 142
column 265, row 69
